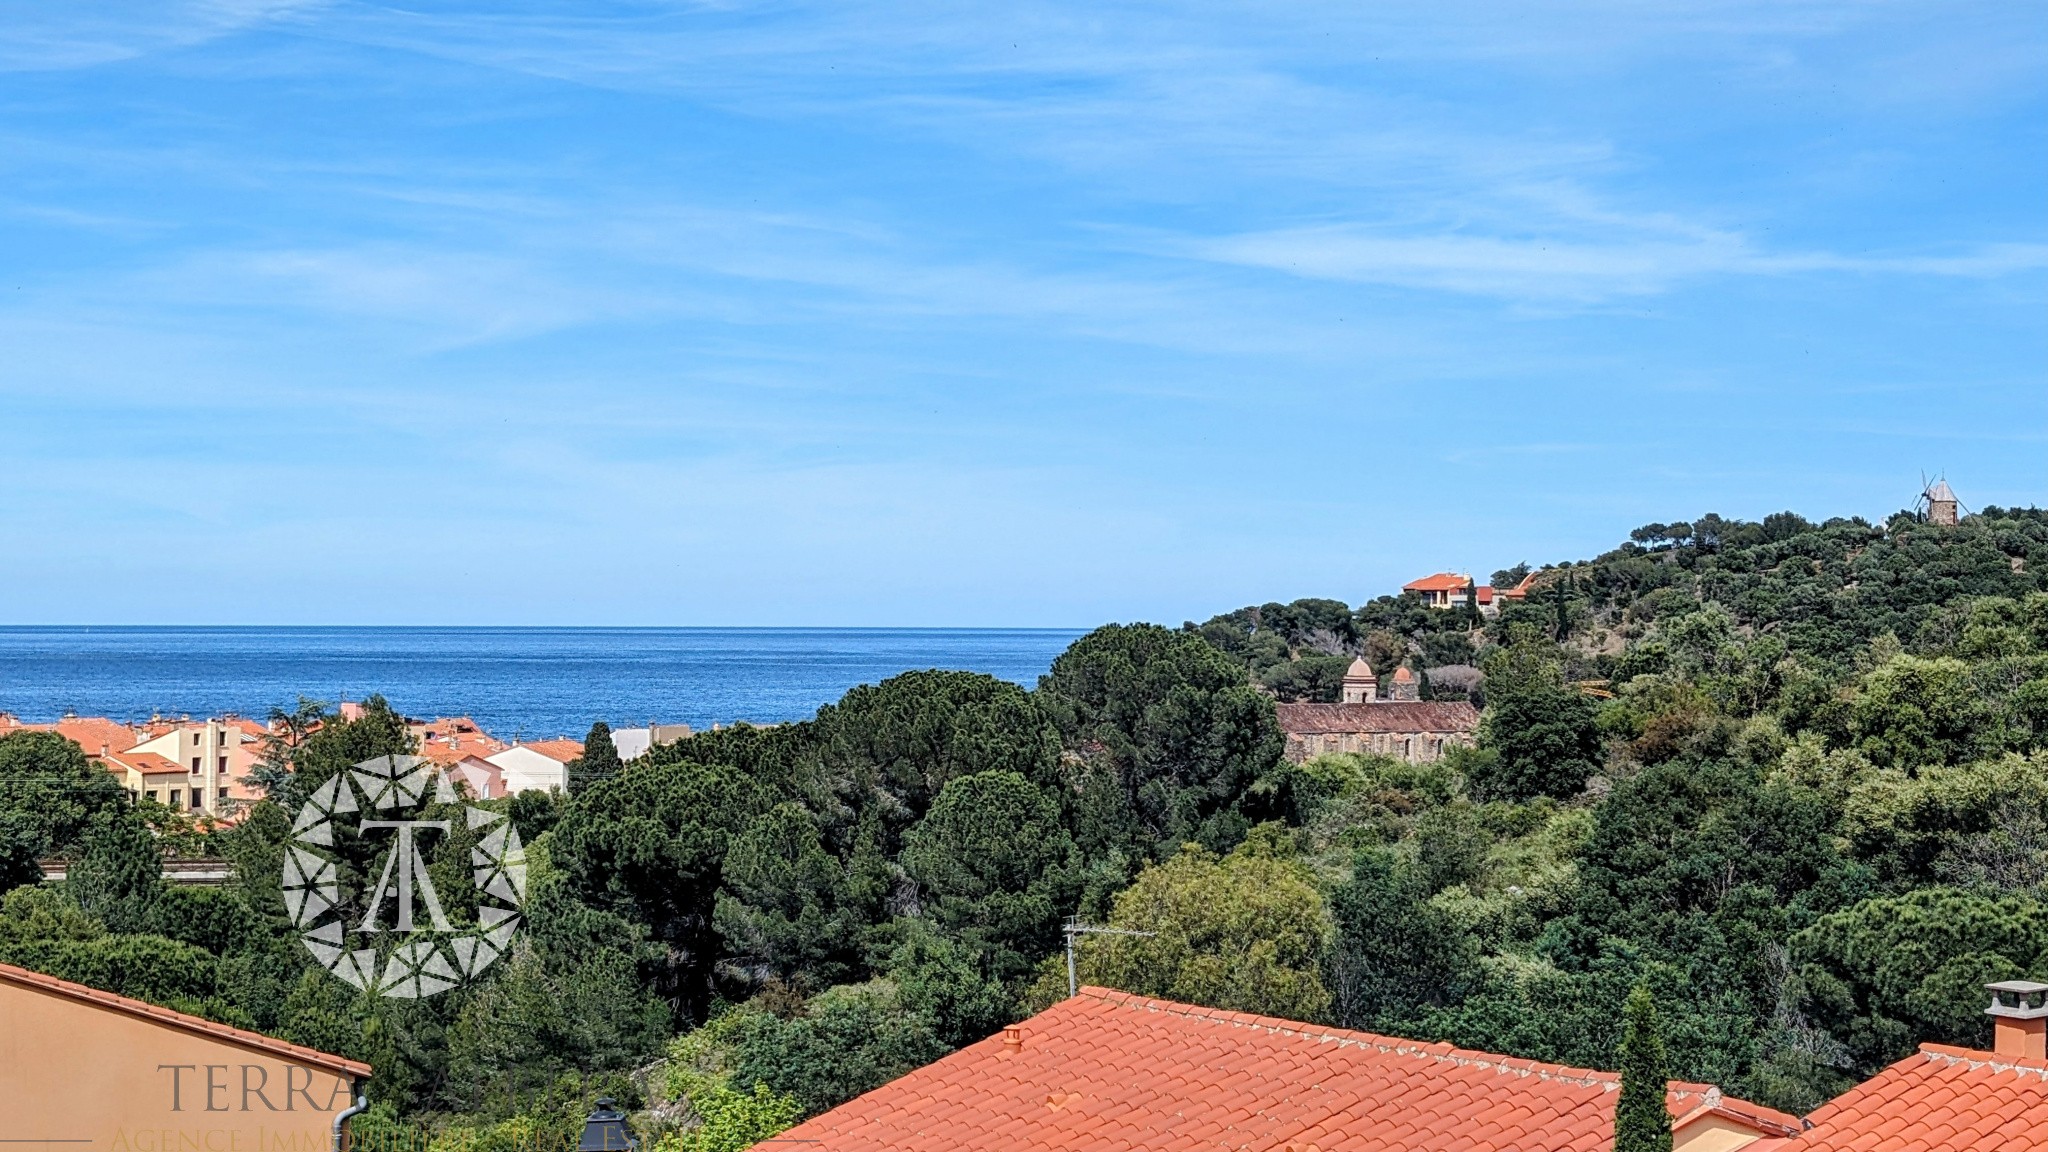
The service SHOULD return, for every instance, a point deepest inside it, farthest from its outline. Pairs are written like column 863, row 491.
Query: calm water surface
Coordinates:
column 530, row 682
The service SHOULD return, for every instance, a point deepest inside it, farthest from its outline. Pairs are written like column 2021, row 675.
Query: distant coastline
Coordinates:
column 529, row 682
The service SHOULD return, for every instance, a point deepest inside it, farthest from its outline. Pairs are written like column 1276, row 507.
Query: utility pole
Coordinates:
column 1076, row 928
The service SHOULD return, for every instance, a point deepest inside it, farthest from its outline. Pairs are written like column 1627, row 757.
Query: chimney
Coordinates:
column 1013, row 1040
column 2019, row 1016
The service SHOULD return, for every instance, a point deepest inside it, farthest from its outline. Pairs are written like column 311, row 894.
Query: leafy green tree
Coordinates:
column 1913, row 714
column 699, row 1074
column 893, row 746
column 539, row 1015
column 322, row 1013
column 337, row 745
column 946, row 980
column 786, row 903
column 1244, row 932
column 141, row 966
column 732, row 1121
column 1396, row 955
column 1641, row 1121
column 846, row 1041
column 49, row 794
column 118, row 876
column 996, row 866
column 649, row 845
column 1167, row 723
column 287, row 730
column 35, row 914
column 1543, row 731
column 1895, row 971
column 1983, row 823
column 1706, row 862
column 1315, row 679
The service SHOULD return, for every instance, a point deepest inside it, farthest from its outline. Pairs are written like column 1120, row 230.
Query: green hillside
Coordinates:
column 1790, row 777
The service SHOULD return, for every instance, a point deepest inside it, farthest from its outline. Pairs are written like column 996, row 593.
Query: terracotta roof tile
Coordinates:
column 1940, row 1098
column 1382, row 716
column 147, row 763
column 561, row 751
column 256, row 1040
column 1111, row 1072
column 1441, row 582
column 92, row 733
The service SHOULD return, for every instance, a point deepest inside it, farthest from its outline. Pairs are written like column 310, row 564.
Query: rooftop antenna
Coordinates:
column 1076, row 928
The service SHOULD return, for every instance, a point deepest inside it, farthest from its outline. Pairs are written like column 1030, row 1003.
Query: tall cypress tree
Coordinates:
column 600, row 758
column 1641, row 1123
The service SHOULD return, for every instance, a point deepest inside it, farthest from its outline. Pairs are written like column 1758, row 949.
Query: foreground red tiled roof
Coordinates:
column 1384, row 716
column 1107, row 1072
column 1441, row 582
column 1940, row 1100
column 256, row 1040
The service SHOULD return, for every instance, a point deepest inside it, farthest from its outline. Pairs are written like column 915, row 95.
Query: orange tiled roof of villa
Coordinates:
column 1441, row 582
column 1108, row 1071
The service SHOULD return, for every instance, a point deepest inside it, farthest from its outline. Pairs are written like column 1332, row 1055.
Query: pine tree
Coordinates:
column 1641, row 1123
column 600, row 758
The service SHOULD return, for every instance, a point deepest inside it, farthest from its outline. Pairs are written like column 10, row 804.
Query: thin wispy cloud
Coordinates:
column 1061, row 307
column 1539, row 269
column 37, row 36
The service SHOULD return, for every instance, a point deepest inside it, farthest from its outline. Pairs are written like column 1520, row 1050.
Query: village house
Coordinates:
column 190, row 765
column 447, row 740
column 633, row 743
column 216, row 755
column 1401, row 724
column 536, row 766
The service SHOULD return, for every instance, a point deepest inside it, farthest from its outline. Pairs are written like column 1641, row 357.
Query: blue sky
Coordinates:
column 938, row 314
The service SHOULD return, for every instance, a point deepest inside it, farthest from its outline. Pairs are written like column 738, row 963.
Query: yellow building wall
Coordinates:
column 1712, row 1134
column 106, row 1080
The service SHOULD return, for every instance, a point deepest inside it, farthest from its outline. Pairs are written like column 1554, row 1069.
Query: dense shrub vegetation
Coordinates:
column 1792, row 778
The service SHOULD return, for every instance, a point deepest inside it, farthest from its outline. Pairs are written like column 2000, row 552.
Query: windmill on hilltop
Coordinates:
column 1937, row 503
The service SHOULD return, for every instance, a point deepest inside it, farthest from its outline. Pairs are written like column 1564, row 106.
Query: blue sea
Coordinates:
column 530, row 683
